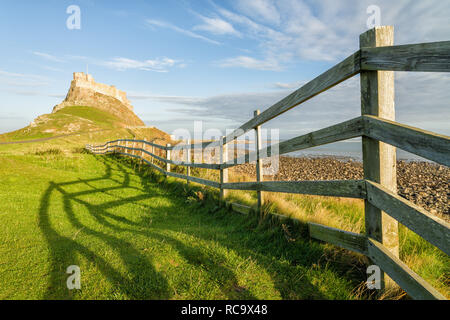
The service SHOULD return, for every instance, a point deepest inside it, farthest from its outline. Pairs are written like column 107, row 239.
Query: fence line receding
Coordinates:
column 375, row 61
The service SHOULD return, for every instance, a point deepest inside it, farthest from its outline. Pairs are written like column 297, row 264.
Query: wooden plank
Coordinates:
column 146, row 142
column 188, row 160
column 379, row 159
column 223, row 172
column 240, row 208
column 344, row 239
column 340, row 72
column 142, row 152
column 153, row 153
column 432, row 146
column 195, row 165
column 178, row 163
column 155, row 166
column 338, row 188
column 155, row 156
column 146, row 161
column 168, row 150
column 407, row 279
column 429, row 227
column 201, row 145
column 146, row 152
column 346, row 130
column 259, row 166
column 426, row 57
column 194, row 179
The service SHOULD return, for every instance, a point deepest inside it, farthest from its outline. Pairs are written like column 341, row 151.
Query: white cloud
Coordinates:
column 47, row 56
column 416, row 93
column 290, row 85
column 287, row 31
column 263, row 10
column 117, row 63
column 157, row 65
column 251, row 63
column 217, row 26
column 163, row 24
column 21, row 75
column 14, row 79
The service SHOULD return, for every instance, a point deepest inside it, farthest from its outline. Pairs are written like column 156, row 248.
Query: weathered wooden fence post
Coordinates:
column 223, row 172
column 144, row 147
column 168, row 158
column 188, row 160
column 259, row 164
column 153, row 151
column 379, row 159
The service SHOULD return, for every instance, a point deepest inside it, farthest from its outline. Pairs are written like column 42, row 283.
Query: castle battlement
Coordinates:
column 84, row 91
column 86, row 81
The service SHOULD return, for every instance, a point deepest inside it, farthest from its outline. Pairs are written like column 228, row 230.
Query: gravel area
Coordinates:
column 425, row 184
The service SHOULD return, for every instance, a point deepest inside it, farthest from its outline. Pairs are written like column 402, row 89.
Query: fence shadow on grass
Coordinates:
column 301, row 253
column 142, row 280
column 64, row 250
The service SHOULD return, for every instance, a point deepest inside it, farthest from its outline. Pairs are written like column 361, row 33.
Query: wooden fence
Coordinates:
column 375, row 61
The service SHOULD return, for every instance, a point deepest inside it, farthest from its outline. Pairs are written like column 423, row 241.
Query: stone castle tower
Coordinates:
column 84, row 91
column 86, row 81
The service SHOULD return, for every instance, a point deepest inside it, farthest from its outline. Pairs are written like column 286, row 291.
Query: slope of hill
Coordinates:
column 85, row 125
column 84, row 91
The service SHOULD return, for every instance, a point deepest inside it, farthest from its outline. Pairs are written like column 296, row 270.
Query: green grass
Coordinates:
column 93, row 114
column 136, row 235
column 65, row 121
column 426, row 260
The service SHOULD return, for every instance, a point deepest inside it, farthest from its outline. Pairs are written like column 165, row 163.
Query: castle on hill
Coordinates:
column 84, row 80
column 83, row 88
column 84, row 91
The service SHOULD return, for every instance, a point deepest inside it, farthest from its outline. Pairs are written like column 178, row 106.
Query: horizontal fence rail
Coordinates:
column 379, row 132
column 425, row 57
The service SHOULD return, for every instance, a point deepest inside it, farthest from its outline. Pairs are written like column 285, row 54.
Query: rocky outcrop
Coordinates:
column 84, row 91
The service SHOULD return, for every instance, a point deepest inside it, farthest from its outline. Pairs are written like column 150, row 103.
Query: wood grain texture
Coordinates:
column 344, row 239
column 425, row 57
column 223, row 171
column 239, row 208
column 340, row 188
column 429, row 227
column 407, row 279
column 259, row 166
column 379, row 159
column 174, row 162
column 168, row 151
column 346, row 130
column 432, row 146
column 188, row 160
column 194, row 179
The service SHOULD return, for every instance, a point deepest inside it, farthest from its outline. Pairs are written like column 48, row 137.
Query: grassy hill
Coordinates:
column 79, row 125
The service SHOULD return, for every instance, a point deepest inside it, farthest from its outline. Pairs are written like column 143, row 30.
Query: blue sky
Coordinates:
column 216, row 61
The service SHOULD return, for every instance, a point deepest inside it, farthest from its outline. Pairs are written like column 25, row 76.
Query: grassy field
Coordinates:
column 135, row 236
